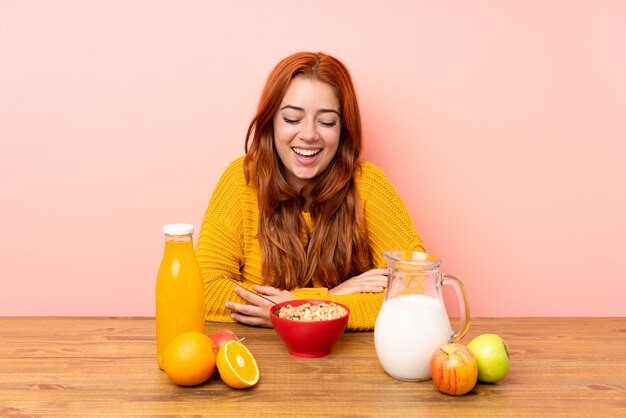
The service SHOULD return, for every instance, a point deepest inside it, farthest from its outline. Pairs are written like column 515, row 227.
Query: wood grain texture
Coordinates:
column 107, row 367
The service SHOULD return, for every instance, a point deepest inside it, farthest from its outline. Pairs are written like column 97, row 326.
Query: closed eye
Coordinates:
column 291, row 121
column 328, row 124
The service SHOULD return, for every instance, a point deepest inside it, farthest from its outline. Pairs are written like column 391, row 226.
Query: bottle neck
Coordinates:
column 177, row 238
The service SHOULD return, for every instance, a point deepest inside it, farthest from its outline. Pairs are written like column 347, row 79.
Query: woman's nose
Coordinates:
column 309, row 131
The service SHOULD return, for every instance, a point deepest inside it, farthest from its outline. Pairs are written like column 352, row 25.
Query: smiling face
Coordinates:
column 307, row 129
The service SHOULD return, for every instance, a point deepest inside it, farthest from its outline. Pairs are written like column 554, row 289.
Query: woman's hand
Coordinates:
column 257, row 311
column 372, row 281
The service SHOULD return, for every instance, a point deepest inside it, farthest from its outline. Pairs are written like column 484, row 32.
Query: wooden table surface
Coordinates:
column 107, row 367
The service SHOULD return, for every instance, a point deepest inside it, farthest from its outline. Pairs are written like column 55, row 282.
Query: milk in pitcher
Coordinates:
column 409, row 329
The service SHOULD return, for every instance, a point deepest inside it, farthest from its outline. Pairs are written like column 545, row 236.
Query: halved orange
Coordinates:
column 237, row 366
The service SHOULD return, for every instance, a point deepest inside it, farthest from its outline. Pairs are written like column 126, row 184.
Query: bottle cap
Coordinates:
column 178, row 229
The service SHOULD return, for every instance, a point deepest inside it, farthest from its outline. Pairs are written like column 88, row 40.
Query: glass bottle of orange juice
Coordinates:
column 179, row 293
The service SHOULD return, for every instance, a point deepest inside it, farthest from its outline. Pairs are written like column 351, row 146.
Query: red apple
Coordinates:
column 454, row 369
column 220, row 336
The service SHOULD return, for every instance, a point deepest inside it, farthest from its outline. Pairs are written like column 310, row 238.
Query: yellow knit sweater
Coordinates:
column 227, row 243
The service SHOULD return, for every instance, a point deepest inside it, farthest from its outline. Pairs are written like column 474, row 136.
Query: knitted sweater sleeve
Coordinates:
column 219, row 249
column 389, row 227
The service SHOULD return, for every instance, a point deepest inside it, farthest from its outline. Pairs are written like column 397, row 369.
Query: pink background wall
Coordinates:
column 501, row 123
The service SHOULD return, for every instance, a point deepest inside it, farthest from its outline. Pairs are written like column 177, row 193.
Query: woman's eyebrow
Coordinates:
column 329, row 111
column 292, row 107
column 302, row 110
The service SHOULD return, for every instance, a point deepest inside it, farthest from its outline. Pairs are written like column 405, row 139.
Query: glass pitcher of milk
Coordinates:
column 413, row 322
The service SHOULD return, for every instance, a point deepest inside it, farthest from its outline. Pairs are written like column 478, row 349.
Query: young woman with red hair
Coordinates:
column 300, row 216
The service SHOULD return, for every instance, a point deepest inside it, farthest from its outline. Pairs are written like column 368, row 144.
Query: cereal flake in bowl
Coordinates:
column 324, row 311
column 309, row 327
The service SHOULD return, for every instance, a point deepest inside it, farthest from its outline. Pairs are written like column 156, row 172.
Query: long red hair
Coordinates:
column 337, row 249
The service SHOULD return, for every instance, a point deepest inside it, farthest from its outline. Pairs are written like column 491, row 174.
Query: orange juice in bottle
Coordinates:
column 179, row 293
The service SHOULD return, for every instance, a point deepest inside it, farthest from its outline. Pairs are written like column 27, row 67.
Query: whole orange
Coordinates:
column 189, row 359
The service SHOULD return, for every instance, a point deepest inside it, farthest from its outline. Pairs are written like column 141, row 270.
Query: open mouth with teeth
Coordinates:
column 307, row 152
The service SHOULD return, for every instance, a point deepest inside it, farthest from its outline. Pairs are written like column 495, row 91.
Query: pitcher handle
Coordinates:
column 461, row 295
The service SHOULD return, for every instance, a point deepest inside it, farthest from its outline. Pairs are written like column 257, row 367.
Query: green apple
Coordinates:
column 492, row 356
